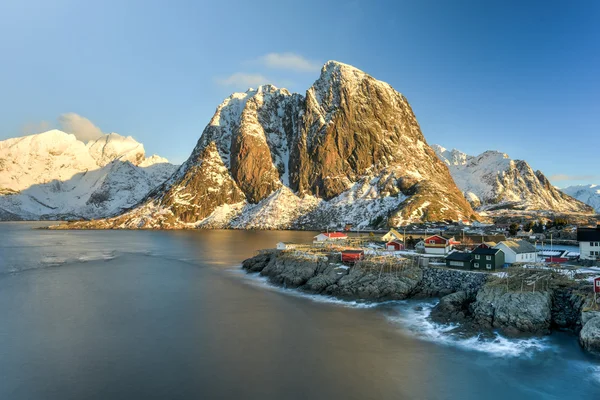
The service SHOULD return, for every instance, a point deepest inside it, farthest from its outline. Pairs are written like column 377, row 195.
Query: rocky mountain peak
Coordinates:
column 492, row 180
column 350, row 151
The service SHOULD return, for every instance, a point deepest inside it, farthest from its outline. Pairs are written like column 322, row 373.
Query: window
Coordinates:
column 477, row 256
column 456, row 263
column 488, row 266
column 476, row 265
column 432, row 242
column 488, row 257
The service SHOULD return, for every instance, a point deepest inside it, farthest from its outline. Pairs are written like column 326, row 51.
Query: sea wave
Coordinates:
column 413, row 317
column 263, row 282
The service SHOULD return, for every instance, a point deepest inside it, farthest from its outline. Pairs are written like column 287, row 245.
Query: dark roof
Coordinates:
column 519, row 246
column 588, row 234
column 353, row 251
column 487, row 252
column 458, row 256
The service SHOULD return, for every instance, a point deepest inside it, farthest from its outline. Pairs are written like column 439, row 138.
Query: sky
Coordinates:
column 521, row 77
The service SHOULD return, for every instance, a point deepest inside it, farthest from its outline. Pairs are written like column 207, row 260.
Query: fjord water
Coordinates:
column 169, row 315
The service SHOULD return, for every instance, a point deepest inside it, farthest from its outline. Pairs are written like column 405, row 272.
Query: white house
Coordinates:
column 517, row 251
column 328, row 236
column 437, row 244
column 589, row 243
column 285, row 245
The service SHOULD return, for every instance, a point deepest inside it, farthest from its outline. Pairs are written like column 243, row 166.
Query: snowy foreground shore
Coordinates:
column 478, row 301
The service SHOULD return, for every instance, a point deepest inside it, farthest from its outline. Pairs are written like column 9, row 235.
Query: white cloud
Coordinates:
column 565, row 177
column 32, row 128
column 79, row 126
column 244, row 79
column 289, row 61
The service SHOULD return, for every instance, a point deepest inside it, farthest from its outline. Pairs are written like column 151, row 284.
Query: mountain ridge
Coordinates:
column 493, row 181
column 349, row 151
column 53, row 175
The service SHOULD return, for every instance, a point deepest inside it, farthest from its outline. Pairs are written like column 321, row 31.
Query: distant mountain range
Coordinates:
column 589, row 194
column 52, row 175
column 349, row 151
column 493, row 181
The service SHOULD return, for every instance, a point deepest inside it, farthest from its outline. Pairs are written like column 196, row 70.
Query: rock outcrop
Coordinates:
column 455, row 307
column 513, row 312
column 350, row 151
column 589, row 337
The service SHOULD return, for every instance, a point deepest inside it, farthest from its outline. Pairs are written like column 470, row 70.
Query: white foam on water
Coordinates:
column 52, row 261
column 587, row 370
column 414, row 318
column 256, row 280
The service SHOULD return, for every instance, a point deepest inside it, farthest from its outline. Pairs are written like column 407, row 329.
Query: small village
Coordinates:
column 487, row 250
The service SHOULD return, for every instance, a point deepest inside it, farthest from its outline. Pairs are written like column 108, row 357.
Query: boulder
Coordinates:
column 370, row 285
column 326, row 276
column 257, row 263
column 453, row 308
column 513, row 312
column 292, row 271
column 589, row 337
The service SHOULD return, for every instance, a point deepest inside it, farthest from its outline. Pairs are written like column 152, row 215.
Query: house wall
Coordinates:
column 526, row 257
column 437, row 250
column 499, row 258
column 395, row 246
column 586, row 249
column 483, row 262
column 458, row 264
column 510, row 257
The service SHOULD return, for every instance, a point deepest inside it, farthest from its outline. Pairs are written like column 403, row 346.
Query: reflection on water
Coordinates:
column 166, row 315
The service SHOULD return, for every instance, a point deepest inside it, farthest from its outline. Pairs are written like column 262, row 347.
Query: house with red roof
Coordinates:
column 330, row 236
column 437, row 244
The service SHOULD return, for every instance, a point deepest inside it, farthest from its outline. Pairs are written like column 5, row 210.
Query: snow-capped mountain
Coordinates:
column 349, row 151
column 589, row 194
column 52, row 175
column 492, row 181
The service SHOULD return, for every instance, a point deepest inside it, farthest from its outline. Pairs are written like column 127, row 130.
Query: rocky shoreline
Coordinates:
column 479, row 301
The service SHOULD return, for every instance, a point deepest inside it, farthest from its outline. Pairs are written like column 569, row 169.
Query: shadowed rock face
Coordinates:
column 203, row 187
column 353, row 141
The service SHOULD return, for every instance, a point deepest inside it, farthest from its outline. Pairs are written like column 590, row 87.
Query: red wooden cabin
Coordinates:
column 394, row 245
column 352, row 255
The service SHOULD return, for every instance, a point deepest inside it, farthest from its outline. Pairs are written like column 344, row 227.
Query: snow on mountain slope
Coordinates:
column 350, row 151
column 589, row 194
column 41, row 158
column 113, row 147
column 492, row 181
column 52, row 175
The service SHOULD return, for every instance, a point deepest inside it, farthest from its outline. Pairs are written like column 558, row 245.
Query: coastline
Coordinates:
column 479, row 302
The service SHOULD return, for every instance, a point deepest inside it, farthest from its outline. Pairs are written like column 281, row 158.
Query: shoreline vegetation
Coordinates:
column 516, row 301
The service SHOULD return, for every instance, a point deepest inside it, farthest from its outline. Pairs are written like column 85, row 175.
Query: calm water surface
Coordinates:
column 169, row 315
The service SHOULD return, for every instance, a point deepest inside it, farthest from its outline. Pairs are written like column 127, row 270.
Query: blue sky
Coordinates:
column 517, row 76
